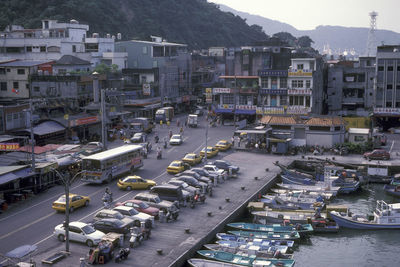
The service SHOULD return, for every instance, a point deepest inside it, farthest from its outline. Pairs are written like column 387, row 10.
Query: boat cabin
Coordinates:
column 387, row 213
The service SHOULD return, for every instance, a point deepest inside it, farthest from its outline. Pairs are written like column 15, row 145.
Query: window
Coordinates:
column 144, row 50
column 242, row 100
column 27, row 86
column 74, row 48
column 264, row 82
column 42, row 49
column 2, row 71
column 15, row 85
column 155, row 64
column 283, row 101
column 308, row 83
column 381, row 68
column 300, row 66
column 301, row 100
column 29, row 49
column 307, row 101
column 21, row 71
column 283, row 82
column 291, row 100
column 3, row 86
column 389, row 86
column 227, row 99
column 398, row 68
column 9, row 117
column 297, row 84
column 390, row 68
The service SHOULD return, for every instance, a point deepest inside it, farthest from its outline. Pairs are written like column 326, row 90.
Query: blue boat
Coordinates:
column 302, row 229
column 386, row 216
column 267, row 235
column 392, row 190
column 197, row 262
column 244, row 260
column 277, row 203
column 251, row 249
column 245, row 240
column 347, row 185
column 262, row 243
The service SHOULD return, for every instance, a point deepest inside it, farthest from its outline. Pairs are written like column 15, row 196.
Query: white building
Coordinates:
column 54, row 40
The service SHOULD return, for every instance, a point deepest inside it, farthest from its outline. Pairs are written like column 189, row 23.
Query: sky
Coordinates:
column 308, row 14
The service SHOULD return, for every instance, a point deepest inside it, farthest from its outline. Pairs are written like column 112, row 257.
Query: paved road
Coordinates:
column 33, row 221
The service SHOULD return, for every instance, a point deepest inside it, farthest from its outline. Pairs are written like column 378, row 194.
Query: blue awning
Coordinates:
column 222, row 110
column 245, row 112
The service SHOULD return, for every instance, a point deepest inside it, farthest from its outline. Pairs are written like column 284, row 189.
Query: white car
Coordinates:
column 215, row 170
column 80, row 232
column 176, row 139
column 135, row 215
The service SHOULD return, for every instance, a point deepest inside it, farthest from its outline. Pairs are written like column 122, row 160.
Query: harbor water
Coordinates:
column 351, row 247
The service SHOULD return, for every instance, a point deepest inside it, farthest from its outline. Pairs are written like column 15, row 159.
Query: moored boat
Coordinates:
column 295, row 180
column 197, row 262
column 386, row 216
column 255, row 240
column 262, row 243
column 249, row 250
column 319, row 187
column 295, row 193
column 392, row 190
column 267, row 235
column 244, row 260
column 268, row 216
column 322, row 225
column 302, row 229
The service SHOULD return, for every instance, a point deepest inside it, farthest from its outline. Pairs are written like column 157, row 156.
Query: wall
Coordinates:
column 357, row 122
column 321, row 139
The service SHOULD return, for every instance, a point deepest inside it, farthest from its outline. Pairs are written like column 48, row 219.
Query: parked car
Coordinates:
column 176, row 139
column 75, row 201
column 223, row 145
column 377, row 154
column 192, row 158
column 211, row 152
column 185, row 187
column 209, row 175
column 113, row 214
column 226, row 165
column 135, row 182
column 140, row 206
column 195, row 175
column 138, row 138
column 135, row 215
column 214, row 169
column 153, row 200
column 168, row 192
column 194, row 182
column 79, row 232
column 112, row 225
column 177, row 166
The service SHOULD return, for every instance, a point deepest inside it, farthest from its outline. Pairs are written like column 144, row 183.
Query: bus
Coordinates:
column 106, row 165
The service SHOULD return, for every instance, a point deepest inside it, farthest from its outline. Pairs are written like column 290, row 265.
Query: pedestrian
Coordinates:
column 178, row 122
column 161, row 123
column 233, row 141
column 168, row 123
column 181, row 131
column 186, row 122
column 170, row 134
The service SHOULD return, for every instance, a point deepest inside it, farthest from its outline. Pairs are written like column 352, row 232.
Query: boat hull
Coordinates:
column 347, row 222
column 391, row 190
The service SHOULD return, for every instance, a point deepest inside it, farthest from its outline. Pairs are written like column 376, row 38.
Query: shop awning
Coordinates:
column 220, row 110
column 8, row 178
column 47, row 127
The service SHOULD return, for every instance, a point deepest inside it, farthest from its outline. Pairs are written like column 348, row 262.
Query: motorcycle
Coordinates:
column 136, row 238
column 122, row 254
column 107, row 200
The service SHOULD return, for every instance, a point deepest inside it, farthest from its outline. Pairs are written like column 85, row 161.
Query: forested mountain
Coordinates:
column 194, row 22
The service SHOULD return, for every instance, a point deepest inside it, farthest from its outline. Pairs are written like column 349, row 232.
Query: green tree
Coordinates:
column 286, row 37
column 102, row 68
column 304, row 41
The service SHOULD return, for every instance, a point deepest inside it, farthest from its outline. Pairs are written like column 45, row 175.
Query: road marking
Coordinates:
column 41, row 202
column 391, row 147
column 27, row 225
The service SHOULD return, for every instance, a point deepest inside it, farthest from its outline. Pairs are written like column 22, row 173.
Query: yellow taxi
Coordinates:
column 211, row 152
column 135, row 182
column 75, row 201
column 176, row 166
column 223, row 145
column 192, row 158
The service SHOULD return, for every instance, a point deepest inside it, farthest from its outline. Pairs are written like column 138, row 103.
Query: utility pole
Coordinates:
column 103, row 120
column 234, row 102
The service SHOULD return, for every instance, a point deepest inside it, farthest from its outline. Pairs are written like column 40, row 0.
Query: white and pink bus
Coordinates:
column 107, row 165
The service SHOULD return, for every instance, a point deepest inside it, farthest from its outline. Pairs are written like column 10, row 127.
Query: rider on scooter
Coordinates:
column 107, row 197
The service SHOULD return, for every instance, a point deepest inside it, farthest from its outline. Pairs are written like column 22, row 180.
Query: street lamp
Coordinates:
column 67, row 183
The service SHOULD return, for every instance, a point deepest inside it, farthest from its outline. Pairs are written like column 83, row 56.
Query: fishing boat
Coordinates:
column 267, row 235
column 319, row 187
column 392, row 190
column 286, row 179
column 244, row 260
column 324, row 225
column 347, row 185
column 262, row 243
column 293, row 173
column 302, row 229
column 277, row 203
column 248, row 250
column 269, row 216
column 386, row 216
column 197, row 262
column 297, row 200
column 255, row 240
column 295, row 193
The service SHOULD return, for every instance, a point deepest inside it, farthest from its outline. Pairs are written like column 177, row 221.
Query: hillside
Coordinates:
column 339, row 38
column 194, row 22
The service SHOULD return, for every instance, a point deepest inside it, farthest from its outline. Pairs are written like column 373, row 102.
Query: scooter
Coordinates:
column 122, row 254
column 136, row 237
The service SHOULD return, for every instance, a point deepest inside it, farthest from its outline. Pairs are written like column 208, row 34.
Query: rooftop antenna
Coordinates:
column 371, row 42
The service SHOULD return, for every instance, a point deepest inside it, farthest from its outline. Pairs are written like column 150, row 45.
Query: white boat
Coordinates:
column 386, row 216
column 319, row 187
column 288, row 192
column 268, row 216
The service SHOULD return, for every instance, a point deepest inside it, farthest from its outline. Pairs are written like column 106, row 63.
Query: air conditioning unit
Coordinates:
column 276, row 50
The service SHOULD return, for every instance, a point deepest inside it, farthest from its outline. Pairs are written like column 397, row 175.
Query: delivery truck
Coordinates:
column 141, row 124
column 192, row 120
column 164, row 114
